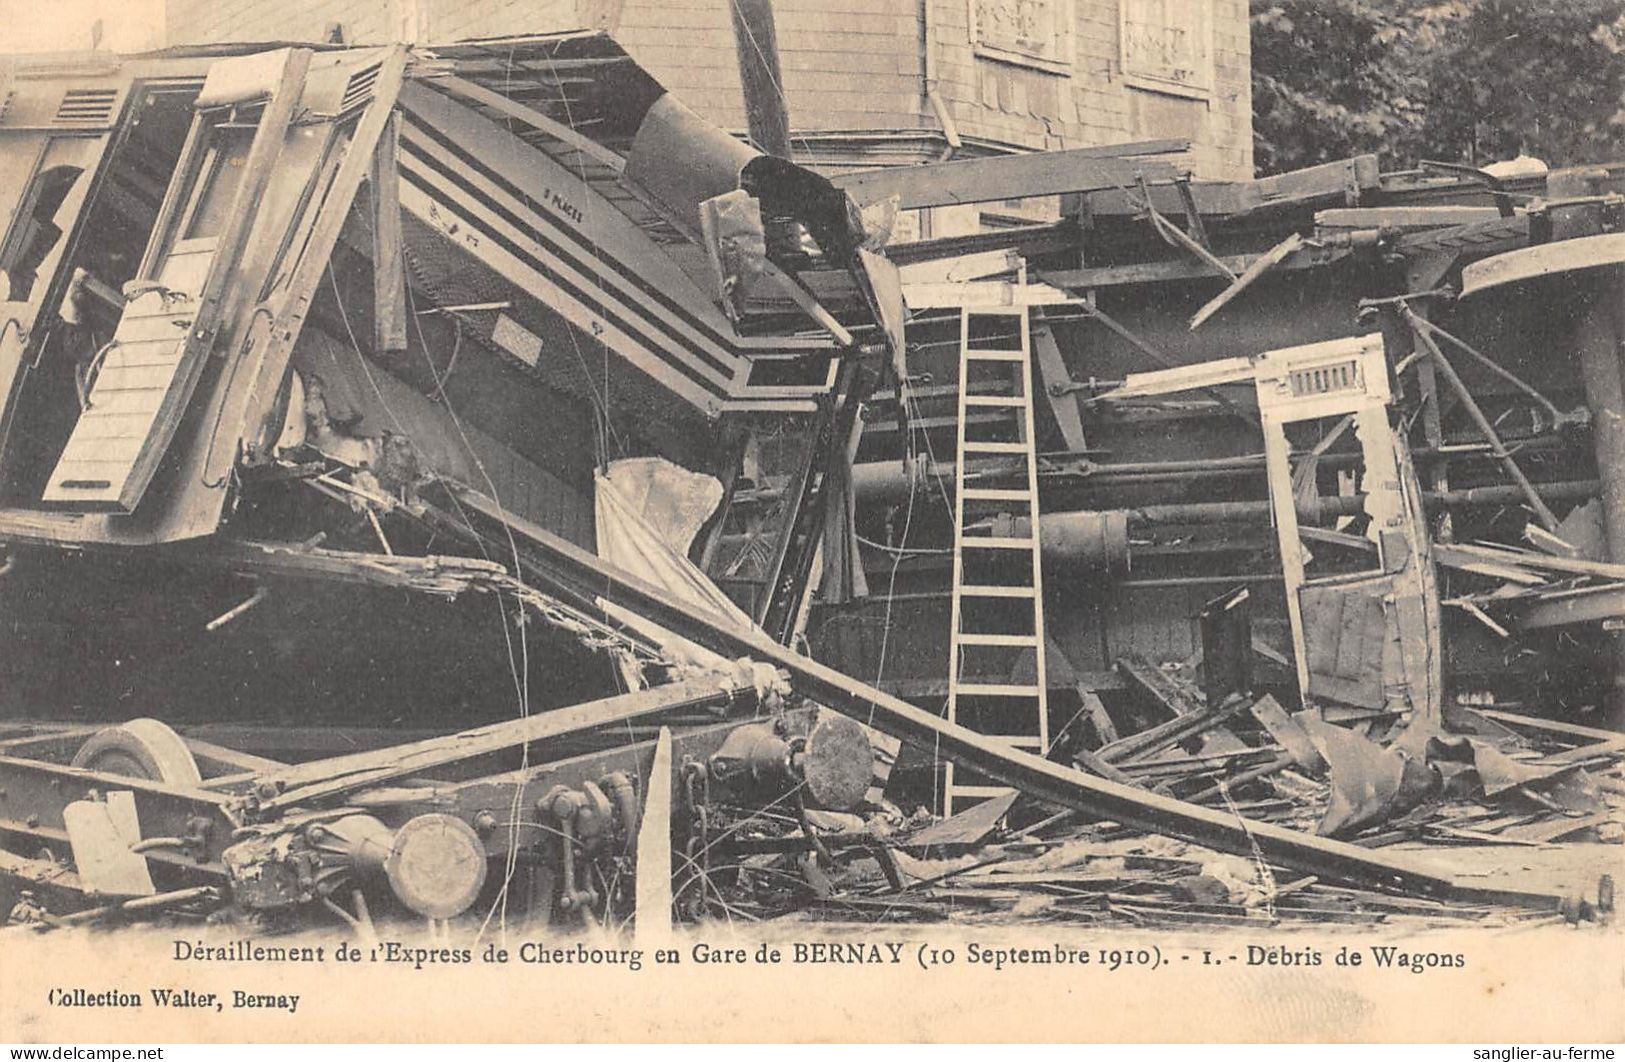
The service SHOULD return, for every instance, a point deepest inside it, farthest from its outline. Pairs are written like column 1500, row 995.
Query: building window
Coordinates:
column 1167, row 45
column 1035, row 33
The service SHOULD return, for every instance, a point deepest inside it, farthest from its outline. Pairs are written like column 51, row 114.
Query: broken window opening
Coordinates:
column 224, row 172
column 110, row 231
column 35, row 232
column 1327, row 462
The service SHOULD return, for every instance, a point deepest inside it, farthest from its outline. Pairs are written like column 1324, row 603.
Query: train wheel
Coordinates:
column 140, row 748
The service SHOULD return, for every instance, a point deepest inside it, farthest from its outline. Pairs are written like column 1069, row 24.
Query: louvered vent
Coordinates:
column 1325, row 379
column 183, row 85
column 359, row 88
column 86, row 106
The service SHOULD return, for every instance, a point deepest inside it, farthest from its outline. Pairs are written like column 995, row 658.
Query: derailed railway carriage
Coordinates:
column 460, row 482
column 276, row 315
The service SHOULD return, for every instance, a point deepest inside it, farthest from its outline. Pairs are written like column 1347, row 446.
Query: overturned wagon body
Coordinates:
column 231, row 274
column 280, row 321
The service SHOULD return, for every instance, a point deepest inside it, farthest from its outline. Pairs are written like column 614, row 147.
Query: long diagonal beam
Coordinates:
column 340, row 774
column 1038, row 778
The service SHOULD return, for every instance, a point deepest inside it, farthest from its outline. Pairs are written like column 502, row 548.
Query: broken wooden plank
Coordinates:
column 1588, row 605
column 1542, row 561
column 1483, row 617
column 1255, row 269
column 1181, row 270
column 432, row 574
column 1557, row 828
column 968, row 827
column 1150, row 680
column 652, row 914
column 1147, row 742
column 1450, row 555
column 1345, row 180
column 1095, row 708
column 1407, row 218
column 1092, row 763
column 979, row 293
column 1590, row 734
column 958, row 268
column 1063, row 401
column 1005, row 177
column 309, row 782
column 1286, row 731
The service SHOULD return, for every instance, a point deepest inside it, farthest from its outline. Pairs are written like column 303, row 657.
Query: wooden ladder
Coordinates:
column 998, row 590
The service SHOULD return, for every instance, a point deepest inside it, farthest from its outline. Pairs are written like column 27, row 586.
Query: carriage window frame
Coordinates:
column 212, row 140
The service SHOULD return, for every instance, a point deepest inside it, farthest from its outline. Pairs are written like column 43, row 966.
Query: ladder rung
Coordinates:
column 979, row 542
column 996, row 355
column 971, row 638
column 979, row 590
column 974, row 447
column 995, row 494
column 995, row 689
column 996, row 311
column 1005, row 401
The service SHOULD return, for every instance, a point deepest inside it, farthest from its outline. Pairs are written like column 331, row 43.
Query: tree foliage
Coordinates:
column 1466, row 80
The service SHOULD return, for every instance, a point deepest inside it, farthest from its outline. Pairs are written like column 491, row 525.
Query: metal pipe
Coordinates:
column 880, row 482
column 138, row 904
column 1347, row 505
column 1071, row 536
column 1245, row 578
column 945, row 118
column 1600, row 339
column 1508, row 462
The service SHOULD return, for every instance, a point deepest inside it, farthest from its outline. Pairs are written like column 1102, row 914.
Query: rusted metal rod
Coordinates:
column 1557, row 415
column 1448, row 371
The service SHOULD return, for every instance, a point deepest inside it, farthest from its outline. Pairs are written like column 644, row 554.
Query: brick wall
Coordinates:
column 848, row 64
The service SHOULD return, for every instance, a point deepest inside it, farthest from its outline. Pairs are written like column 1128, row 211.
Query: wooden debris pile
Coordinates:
column 1517, row 798
column 1560, row 579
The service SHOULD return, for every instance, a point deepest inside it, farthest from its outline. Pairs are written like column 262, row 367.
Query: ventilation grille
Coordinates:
column 1325, row 379
column 184, row 85
column 359, row 88
column 86, row 106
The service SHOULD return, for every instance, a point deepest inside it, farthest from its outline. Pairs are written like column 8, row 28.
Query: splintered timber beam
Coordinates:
column 388, row 250
column 1031, row 775
column 322, row 778
column 1340, row 182
column 1005, row 177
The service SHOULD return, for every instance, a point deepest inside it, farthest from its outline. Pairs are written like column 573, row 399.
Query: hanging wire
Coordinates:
column 590, row 216
column 518, row 664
